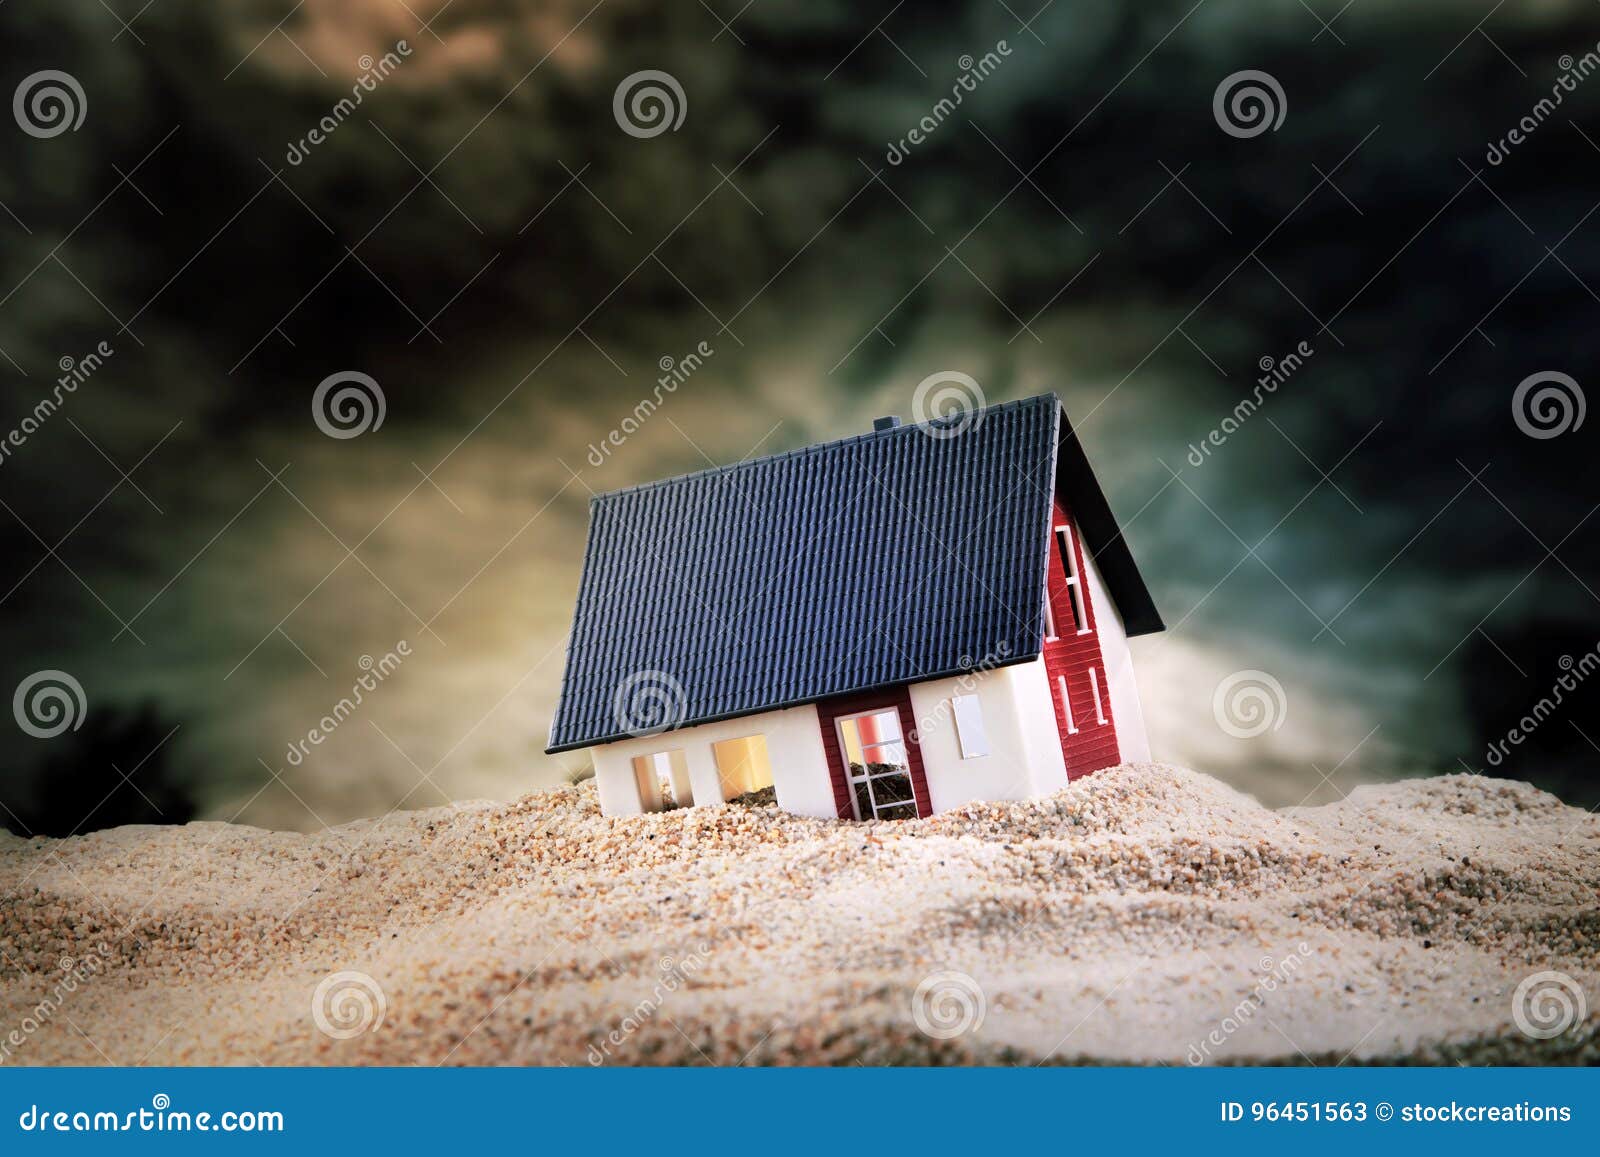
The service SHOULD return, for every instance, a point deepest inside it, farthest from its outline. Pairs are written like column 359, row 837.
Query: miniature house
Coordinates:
column 881, row 627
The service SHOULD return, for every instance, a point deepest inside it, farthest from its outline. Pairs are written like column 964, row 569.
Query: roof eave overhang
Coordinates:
column 701, row 721
column 1075, row 478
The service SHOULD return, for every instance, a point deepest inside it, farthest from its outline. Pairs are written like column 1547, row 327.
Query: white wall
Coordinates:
column 1132, row 742
column 794, row 746
column 1024, row 751
column 1018, row 714
column 1037, row 707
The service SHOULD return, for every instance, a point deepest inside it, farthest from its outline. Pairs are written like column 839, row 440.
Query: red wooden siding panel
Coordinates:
column 1073, row 655
column 899, row 698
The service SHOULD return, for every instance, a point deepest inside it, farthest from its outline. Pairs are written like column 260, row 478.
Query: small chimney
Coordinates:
column 884, row 424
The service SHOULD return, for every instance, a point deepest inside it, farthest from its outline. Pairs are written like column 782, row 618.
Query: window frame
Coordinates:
column 852, row 780
column 1066, row 548
column 646, row 765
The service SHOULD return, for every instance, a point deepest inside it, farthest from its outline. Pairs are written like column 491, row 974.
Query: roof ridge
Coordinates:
column 814, row 447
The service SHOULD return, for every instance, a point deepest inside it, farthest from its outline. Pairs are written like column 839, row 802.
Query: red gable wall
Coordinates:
column 1071, row 654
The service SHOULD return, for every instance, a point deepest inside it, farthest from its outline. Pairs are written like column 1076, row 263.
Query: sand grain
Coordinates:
column 1138, row 916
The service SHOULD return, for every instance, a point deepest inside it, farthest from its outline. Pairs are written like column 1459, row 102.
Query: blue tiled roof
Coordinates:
column 901, row 555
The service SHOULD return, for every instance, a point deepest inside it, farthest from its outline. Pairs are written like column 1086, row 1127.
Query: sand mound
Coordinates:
column 1146, row 914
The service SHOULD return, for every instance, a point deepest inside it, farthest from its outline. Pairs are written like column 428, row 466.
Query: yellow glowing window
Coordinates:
column 742, row 765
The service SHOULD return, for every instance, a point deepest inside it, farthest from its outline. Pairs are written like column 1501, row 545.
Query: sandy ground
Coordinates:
column 1145, row 914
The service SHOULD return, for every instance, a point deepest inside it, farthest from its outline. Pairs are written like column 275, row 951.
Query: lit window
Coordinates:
column 1094, row 685
column 742, row 765
column 1069, row 567
column 969, row 726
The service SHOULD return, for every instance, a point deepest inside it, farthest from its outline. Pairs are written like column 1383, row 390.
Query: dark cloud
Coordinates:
column 481, row 238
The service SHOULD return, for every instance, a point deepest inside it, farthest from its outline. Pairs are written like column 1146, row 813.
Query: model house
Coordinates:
column 881, row 627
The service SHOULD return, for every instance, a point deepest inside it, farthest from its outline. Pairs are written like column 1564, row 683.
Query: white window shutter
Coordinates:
column 969, row 726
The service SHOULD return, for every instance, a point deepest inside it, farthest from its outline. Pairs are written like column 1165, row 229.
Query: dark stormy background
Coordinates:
column 1383, row 538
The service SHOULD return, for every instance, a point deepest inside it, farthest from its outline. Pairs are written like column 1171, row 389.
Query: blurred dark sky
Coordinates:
column 485, row 241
